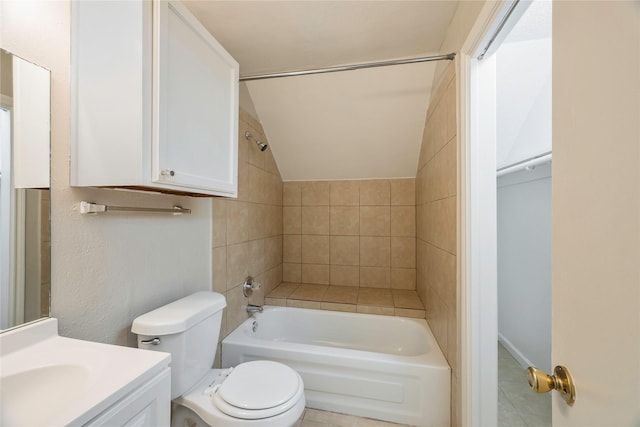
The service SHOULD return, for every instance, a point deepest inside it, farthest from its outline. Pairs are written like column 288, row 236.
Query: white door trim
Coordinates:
column 477, row 302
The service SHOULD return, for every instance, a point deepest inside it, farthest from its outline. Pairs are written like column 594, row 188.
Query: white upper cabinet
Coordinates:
column 154, row 100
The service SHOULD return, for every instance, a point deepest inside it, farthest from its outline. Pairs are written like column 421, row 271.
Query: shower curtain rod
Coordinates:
column 448, row 57
column 499, row 29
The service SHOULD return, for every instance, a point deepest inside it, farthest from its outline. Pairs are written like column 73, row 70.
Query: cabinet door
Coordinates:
column 195, row 127
column 147, row 406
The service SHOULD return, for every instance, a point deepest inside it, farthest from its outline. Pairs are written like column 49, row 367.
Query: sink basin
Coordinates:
column 58, row 385
column 46, row 379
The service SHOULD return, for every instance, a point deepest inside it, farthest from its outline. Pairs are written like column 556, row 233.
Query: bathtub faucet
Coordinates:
column 251, row 308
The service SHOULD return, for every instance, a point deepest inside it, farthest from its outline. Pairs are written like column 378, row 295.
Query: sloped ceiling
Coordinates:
column 350, row 125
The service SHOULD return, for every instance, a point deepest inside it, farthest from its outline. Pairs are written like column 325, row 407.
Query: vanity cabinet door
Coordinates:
column 147, row 406
column 196, row 110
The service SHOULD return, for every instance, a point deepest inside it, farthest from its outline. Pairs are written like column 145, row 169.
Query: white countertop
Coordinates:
column 46, row 379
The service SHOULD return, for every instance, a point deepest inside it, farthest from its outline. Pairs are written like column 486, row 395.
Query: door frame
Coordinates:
column 476, row 219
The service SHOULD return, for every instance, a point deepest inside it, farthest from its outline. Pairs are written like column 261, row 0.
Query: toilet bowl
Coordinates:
column 257, row 393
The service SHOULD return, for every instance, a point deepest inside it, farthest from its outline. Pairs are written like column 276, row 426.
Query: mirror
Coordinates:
column 25, row 244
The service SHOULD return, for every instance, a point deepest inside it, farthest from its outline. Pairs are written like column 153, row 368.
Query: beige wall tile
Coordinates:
column 407, row 312
column 272, row 252
column 291, row 194
column 315, row 220
column 315, row 273
column 256, row 157
column 425, row 148
column 451, row 110
column 441, row 224
column 351, row 308
column 270, row 162
column 283, row 291
column 403, row 278
column 315, row 250
column 256, row 261
column 237, row 264
column 273, row 223
column 406, row 299
column 436, row 223
column 292, row 220
column 282, row 302
column 291, row 272
column 403, row 192
column 291, row 248
column 243, row 144
column 343, row 275
column 341, row 294
column 219, row 222
column 375, row 251
column 257, row 221
column 345, row 250
column 344, row 193
column 369, row 309
column 309, row 292
column 375, row 296
column 403, row 252
column 243, row 181
column 235, row 311
column 420, row 221
column 315, row 193
column 375, row 277
column 237, row 222
column 375, row 221
column 440, row 125
column 315, row 305
column 257, row 185
column 375, row 193
column 403, row 221
column 279, row 190
column 345, row 221
column 220, row 269
column 449, row 168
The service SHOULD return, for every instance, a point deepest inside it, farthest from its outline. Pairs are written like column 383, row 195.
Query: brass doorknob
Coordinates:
column 561, row 381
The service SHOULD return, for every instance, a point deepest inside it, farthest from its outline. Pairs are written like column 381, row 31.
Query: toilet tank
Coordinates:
column 189, row 329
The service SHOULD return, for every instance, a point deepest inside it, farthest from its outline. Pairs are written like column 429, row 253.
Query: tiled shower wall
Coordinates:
column 247, row 231
column 436, row 226
column 350, row 233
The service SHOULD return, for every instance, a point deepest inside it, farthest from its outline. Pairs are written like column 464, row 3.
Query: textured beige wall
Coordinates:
column 350, row 233
column 247, row 232
column 436, row 224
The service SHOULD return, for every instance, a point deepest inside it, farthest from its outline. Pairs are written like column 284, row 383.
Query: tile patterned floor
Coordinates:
column 316, row 418
column 392, row 302
column 518, row 406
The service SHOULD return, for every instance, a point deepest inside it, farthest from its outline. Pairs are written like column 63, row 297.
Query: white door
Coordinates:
column 596, row 210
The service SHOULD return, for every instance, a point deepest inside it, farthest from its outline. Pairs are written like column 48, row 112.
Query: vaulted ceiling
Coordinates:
column 349, row 125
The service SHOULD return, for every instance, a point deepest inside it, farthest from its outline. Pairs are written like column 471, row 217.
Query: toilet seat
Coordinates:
column 275, row 387
column 258, row 389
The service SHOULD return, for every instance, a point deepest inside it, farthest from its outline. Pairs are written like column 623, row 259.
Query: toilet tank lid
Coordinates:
column 179, row 315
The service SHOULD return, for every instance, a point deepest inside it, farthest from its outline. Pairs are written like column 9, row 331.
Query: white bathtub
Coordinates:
column 383, row 367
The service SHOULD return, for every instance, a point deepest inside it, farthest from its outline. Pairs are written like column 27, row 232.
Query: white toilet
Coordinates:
column 258, row 393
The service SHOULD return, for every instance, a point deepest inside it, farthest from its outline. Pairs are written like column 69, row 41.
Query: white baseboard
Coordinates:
column 520, row 358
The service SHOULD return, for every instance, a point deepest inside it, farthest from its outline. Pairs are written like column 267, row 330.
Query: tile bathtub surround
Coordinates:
column 358, row 233
column 356, row 299
column 247, row 231
column 436, row 201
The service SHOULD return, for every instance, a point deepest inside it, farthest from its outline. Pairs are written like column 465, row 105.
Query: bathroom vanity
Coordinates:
column 47, row 379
